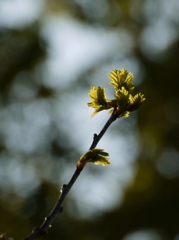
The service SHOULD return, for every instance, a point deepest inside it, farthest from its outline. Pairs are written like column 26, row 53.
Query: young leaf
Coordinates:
column 135, row 102
column 96, row 156
column 98, row 100
column 122, row 102
column 122, row 94
column 121, row 78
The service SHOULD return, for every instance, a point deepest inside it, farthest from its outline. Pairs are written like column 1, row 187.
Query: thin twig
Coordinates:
column 97, row 138
column 43, row 229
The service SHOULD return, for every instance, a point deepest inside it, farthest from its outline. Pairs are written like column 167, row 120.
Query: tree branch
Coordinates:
column 98, row 137
column 43, row 229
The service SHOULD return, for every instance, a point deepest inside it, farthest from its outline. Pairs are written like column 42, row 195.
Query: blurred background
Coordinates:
column 51, row 52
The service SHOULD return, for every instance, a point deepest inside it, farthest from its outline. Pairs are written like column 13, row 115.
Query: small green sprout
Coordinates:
column 121, row 78
column 124, row 102
column 96, row 156
column 98, row 100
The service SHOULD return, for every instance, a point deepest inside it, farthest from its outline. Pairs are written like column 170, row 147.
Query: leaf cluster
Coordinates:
column 124, row 101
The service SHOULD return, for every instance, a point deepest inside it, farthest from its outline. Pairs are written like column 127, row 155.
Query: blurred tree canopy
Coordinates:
column 36, row 152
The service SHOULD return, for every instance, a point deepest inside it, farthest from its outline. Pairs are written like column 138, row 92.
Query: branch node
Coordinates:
column 39, row 231
column 36, row 232
column 63, row 188
column 95, row 136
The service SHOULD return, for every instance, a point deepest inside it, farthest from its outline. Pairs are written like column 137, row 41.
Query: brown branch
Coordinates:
column 43, row 229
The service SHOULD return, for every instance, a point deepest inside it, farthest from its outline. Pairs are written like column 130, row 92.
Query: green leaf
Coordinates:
column 96, row 156
column 121, row 78
column 122, row 94
column 135, row 102
column 98, row 100
column 98, row 96
column 122, row 102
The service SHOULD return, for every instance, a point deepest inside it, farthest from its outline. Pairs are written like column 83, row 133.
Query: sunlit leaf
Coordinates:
column 97, row 95
column 122, row 102
column 121, row 78
column 96, row 156
column 122, row 94
column 98, row 99
column 135, row 102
